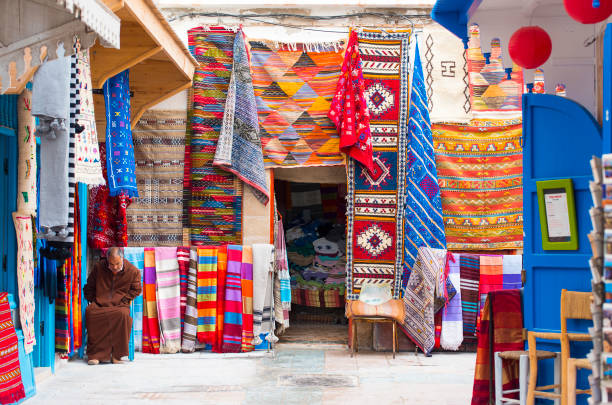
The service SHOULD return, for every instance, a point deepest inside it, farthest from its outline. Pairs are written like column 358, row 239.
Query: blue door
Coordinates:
column 560, row 137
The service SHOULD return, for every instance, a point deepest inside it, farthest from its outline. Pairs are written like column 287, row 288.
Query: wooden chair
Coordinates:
column 574, row 305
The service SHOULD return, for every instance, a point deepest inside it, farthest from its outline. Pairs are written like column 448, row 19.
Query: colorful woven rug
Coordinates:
column 492, row 93
column 190, row 326
column 375, row 199
column 150, row 324
column 419, row 298
column 294, row 86
column 246, row 276
column 216, row 195
column 155, row 216
column 11, row 386
column 469, row 270
column 239, row 148
column 232, row 319
column 480, row 173
column 25, row 278
column 168, row 299
column 423, row 226
column 207, row 295
column 507, row 330
column 221, row 279
column 135, row 256
column 187, row 172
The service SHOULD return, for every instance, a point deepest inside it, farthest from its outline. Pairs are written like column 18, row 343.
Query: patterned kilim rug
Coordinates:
column 376, row 200
column 492, row 94
column 216, row 195
column 294, row 86
column 155, row 216
column 480, row 173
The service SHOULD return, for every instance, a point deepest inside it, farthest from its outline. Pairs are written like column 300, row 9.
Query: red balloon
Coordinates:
column 584, row 12
column 530, row 47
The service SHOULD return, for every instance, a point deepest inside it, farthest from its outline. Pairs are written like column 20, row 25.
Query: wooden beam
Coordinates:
column 101, row 78
column 114, row 5
column 157, row 100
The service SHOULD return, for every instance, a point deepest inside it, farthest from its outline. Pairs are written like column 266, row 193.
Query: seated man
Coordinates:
column 111, row 286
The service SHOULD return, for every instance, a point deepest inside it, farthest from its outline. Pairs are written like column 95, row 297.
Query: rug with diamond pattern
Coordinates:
column 376, row 199
column 294, row 86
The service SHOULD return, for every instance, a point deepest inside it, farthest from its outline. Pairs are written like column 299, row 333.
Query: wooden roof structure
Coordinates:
column 160, row 65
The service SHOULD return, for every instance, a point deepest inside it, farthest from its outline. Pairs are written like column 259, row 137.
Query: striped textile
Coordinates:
column 11, row 385
column 263, row 268
column 452, row 318
column 246, row 281
column 190, row 327
column 232, row 319
column 492, row 276
column 150, row 324
column 135, row 255
column 469, row 270
column 168, row 299
column 216, row 196
column 282, row 280
column 182, row 254
column 423, row 222
column 187, row 172
column 62, row 308
column 207, row 294
column 221, row 278
column 513, row 265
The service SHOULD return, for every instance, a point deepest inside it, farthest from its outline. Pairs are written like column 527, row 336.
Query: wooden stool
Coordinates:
column 373, row 319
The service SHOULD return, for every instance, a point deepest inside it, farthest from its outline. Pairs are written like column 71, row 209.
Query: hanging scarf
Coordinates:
column 263, row 311
column 182, row 254
column 232, row 319
column 282, row 280
column 239, row 147
column 11, row 385
column 120, row 162
column 135, row 255
column 452, row 321
column 207, row 294
column 150, row 324
column 349, row 109
column 221, row 278
column 246, row 281
column 190, row 328
column 168, row 299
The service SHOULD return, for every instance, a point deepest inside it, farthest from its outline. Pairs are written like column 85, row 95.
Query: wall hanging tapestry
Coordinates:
column 446, row 75
column 246, row 275
column 424, row 225
column 120, row 163
column 25, row 278
column 168, row 299
column 507, row 329
column 419, row 297
column 239, row 147
column 150, row 324
column 480, row 173
column 187, row 172
column 106, row 215
column 294, row 86
column 349, row 109
column 452, row 316
column 190, row 327
column 26, row 169
column 375, row 199
column 492, row 93
column 263, row 301
column 155, row 216
column 182, row 255
column 207, row 294
column 11, row 385
column 221, row 278
column 135, row 255
column 88, row 168
column 216, row 195
column 469, row 271
column 232, row 319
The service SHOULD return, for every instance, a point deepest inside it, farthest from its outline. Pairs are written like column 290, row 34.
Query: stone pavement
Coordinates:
column 310, row 374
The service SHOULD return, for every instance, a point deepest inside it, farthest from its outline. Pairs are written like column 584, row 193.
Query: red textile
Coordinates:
column 11, row 385
column 221, row 275
column 349, row 109
column 438, row 328
column 182, row 254
column 507, row 335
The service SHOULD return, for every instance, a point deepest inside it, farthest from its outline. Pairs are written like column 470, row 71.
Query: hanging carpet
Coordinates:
column 375, row 198
column 294, row 86
column 11, row 385
column 480, row 173
column 25, row 278
column 155, row 216
column 215, row 214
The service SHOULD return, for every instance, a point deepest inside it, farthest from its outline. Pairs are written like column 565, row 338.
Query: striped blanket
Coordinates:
column 232, row 320
column 263, row 311
column 207, row 294
column 221, row 276
column 135, row 255
column 168, row 299
column 246, row 275
column 512, row 267
column 11, row 385
column 469, row 270
column 150, row 324
column 452, row 317
column 182, row 254
column 190, row 327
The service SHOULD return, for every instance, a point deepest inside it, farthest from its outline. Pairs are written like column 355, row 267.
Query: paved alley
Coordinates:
column 294, row 374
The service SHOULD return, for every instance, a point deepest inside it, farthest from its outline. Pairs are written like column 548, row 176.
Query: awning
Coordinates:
column 33, row 30
column 454, row 15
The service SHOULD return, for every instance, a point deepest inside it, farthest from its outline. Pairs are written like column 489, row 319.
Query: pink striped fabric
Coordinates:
column 182, row 254
column 168, row 298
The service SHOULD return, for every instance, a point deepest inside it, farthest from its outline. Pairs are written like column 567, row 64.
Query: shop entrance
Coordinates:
column 314, row 220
